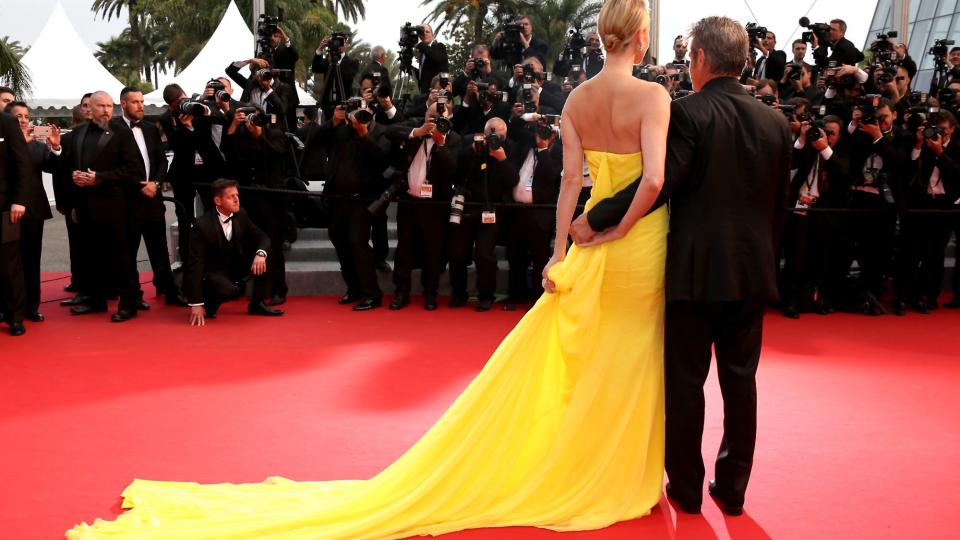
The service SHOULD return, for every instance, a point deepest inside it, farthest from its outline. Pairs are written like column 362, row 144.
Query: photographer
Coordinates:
column 680, row 51
column 378, row 64
column 842, row 86
column 281, row 54
column 531, row 72
column 432, row 57
column 377, row 95
column 266, row 91
column 842, row 50
column 878, row 152
column 489, row 179
column 339, row 71
column 440, row 85
column 935, row 166
column 771, row 62
column 810, row 272
column 477, row 68
column 589, row 63
column 529, row 230
column 255, row 151
column 430, row 156
column 358, row 156
column 482, row 102
column 517, row 41
column 797, row 82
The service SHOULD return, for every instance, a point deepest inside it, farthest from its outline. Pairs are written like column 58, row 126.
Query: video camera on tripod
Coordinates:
column 574, row 50
column 267, row 26
column 884, row 58
column 409, row 38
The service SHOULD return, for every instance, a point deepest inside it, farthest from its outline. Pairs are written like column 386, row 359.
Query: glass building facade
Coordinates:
column 929, row 20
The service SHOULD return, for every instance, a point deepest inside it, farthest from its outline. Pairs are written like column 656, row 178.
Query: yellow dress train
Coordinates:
column 562, row 429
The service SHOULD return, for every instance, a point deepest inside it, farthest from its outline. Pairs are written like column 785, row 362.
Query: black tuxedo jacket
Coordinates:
column 15, row 169
column 348, row 71
column 776, row 62
column 843, row 51
column 433, row 60
column 255, row 161
column 286, row 58
column 210, row 253
column 374, row 67
column 833, row 193
column 893, row 149
column 41, row 160
column 356, row 163
column 472, row 119
column 283, row 101
column 444, row 160
column 922, row 169
column 117, row 164
column 592, row 64
column 140, row 204
column 501, row 176
column 727, row 179
column 186, row 143
column 548, row 171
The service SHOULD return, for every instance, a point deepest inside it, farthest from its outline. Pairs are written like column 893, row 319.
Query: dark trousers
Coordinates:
column 350, row 233
column 73, row 243
column 12, row 295
column 219, row 288
column 528, row 242
column 811, row 261
column 184, row 193
column 956, row 254
column 472, row 239
column 31, row 246
column 153, row 230
column 381, row 242
column 106, row 263
column 268, row 212
column 734, row 330
column 420, row 231
column 924, row 239
column 872, row 236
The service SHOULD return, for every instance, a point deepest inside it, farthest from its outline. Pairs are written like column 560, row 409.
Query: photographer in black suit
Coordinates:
column 431, row 160
column 770, row 62
column 526, row 45
column 842, row 50
column 338, row 70
column 15, row 172
column 145, row 209
column 433, row 59
column 225, row 249
column 102, row 158
column 482, row 102
column 267, row 91
column 727, row 207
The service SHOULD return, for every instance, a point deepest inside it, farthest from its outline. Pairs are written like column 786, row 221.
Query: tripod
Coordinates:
column 407, row 74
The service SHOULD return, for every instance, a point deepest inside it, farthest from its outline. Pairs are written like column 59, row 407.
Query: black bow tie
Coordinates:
column 135, row 124
column 229, row 218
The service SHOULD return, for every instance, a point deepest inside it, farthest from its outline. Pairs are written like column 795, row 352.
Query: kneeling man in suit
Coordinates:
column 225, row 249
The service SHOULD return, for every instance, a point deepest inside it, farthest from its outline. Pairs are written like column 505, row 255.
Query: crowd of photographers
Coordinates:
column 471, row 157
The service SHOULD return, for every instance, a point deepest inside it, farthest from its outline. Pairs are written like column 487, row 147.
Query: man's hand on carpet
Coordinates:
column 196, row 316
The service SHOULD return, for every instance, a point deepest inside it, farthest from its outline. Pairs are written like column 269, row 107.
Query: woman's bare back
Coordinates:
column 608, row 112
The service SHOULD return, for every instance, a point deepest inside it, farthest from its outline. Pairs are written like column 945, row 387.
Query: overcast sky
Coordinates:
column 23, row 19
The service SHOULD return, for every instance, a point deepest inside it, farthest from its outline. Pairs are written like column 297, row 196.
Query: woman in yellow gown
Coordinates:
column 563, row 428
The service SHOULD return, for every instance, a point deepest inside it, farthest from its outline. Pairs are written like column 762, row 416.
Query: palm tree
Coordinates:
column 112, row 8
column 114, row 54
column 553, row 18
column 351, row 9
column 12, row 72
column 474, row 12
column 15, row 47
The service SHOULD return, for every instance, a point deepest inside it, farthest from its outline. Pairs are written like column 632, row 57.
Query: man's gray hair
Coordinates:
column 101, row 94
column 378, row 52
column 724, row 42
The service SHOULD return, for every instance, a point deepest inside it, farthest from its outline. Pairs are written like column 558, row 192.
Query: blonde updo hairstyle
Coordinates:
column 619, row 21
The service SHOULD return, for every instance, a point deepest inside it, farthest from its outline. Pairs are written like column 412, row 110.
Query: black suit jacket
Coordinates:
column 282, row 101
column 727, row 179
column 15, row 169
column 140, row 204
column 833, row 193
column 444, row 160
column 374, row 67
column 433, row 61
column 210, row 253
column 348, row 71
column 548, row 171
column 356, row 163
column 116, row 164
column 776, row 62
column 41, row 160
column 186, row 143
column 922, row 169
column 843, row 51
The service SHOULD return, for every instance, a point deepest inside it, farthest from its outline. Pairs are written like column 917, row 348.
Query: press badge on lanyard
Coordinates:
column 426, row 191
column 488, row 217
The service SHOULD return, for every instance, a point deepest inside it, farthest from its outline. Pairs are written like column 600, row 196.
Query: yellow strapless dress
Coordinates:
column 563, row 428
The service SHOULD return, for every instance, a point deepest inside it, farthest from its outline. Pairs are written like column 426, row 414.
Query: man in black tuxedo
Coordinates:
column 225, row 249
column 14, row 177
column 527, row 45
column 281, row 54
column 592, row 60
column 770, row 62
column 102, row 158
column 433, row 59
column 338, row 76
column 378, row 64
column 477, row 68
column 431, row 160
column 145, row 210
column 727, row 177
column 266, row 91
column 842, row 49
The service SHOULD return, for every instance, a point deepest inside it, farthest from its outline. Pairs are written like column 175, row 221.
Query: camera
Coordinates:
column 477, row 72
column 456, row 206
column 527, row 95
column 768, row 99
column 488, row 97
column 193, row 108
column 755, row 33
column 816, row 124
column 444, row 79
column 796, row 71
column 410, row 35
column 398, row 184
column 644, row 73
column 266, row 28
column 444, row 126
column 867, row 105
column 932, row 132
column 573, row 51
column 483, row 144
column 549, row 125
column 821, row 30
column 358, row 107
column 256, row 117
column 940, row 47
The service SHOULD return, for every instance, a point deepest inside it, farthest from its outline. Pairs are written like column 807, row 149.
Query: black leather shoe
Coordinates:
column 400, row 301
column 921, row 307
column 175, row 300
column 348, row 298
column 261, row 308
column 70, row 287
column 457, row 301
column 791, row 312
column 207, row 314
column 368, row 304
column 953, row 304
column 142, row 306
column 123, row 316
column 484, row 305
column 384, row 266
column 900, row 308
column 726, row 508
column 77, row 300
column 34, row 316
column 84, row 309
column 430, row 302
column 689, row 508
column 17, row 329
column 278, row 300
column 509, row 306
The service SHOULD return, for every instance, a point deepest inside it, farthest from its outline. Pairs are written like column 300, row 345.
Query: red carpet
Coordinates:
column 859, row 431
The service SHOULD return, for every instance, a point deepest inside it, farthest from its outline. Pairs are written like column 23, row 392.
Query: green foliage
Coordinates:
column 12, row 72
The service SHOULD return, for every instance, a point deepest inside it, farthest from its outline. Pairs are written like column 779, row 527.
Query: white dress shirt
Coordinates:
column 935, row 183
column 141, row 144
column 523, row 192
column 226, row 223
column 417, row 175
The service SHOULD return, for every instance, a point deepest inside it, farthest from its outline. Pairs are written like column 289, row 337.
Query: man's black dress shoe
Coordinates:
column 688, row 508
column 921, row 307
column 368, row 304
column 123, row 316
column 77, row 300
column 900, row 308
column 953, row 304
column 142, row 306
column 348, row 298
column 175, row 300
column 725, row 507
column 791, row 312
column 484, row 305
column 261, row 308
column 457, row 301
column 70, row 287
column 430, row 302
column 84, row 309
column 34, row 316
column 278, row 300
column 400, row 301
column 17, row 329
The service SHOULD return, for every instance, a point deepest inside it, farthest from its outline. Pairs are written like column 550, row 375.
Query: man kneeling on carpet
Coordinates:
column 225, row 249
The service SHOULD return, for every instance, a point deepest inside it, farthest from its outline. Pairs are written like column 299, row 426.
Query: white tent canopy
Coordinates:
column 62, row 68
column 232, row 41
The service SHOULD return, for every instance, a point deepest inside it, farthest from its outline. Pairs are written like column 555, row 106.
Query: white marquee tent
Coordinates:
column 232, row 41
column 62, row 68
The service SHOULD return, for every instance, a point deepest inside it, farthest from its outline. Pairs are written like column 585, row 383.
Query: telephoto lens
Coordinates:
column 456, row 207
